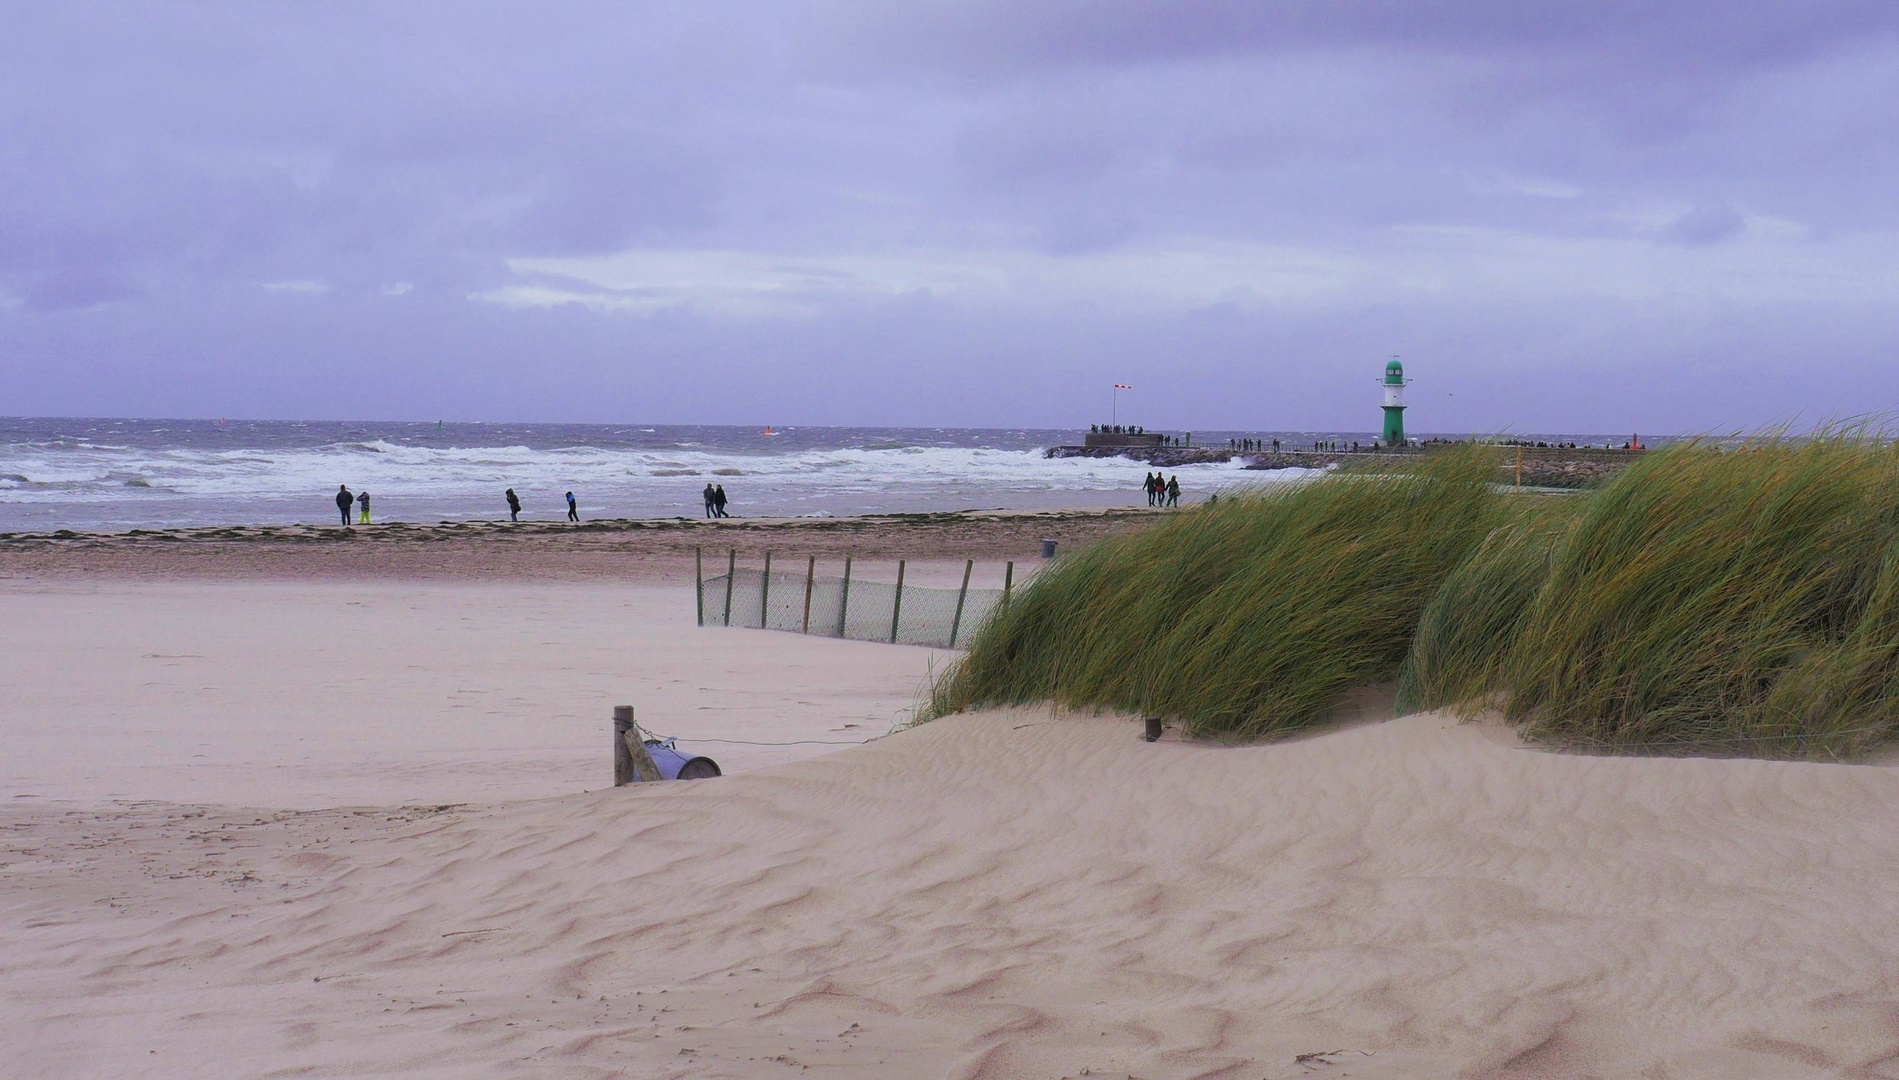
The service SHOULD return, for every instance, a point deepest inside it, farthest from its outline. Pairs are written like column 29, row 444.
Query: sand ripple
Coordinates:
column 1004, row 895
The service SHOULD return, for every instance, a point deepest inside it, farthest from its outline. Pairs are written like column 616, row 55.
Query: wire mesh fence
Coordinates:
column 798, row 599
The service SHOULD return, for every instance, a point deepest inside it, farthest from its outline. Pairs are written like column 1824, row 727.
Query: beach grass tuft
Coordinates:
column 1717, row 599
column 1244, row 619
column 1467, row 630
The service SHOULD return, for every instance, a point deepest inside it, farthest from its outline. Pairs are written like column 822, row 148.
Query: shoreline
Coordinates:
column 636, row 549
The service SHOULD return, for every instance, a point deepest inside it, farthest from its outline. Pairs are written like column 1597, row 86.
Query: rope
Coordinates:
column 794, row 742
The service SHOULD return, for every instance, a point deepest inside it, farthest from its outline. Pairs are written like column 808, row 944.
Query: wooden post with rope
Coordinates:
column 844, row 597
column 956, row 624
column 632, row 763
column 731, row 572
column 810, row 581
column 896, row 605
column 764, row 595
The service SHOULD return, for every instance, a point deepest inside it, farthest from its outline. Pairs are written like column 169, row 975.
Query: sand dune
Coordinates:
column 1000, row 895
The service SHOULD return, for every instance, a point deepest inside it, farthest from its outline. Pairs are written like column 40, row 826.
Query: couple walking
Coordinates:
column 1163, row 492
column 344, row 500
column 715, row 501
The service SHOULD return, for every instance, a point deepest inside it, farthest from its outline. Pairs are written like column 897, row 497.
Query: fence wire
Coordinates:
column 846, row 607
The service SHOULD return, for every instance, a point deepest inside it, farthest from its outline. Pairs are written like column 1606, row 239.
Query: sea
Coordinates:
column 108, row 475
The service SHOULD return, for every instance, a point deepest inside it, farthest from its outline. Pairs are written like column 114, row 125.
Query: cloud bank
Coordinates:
column 1664, row 216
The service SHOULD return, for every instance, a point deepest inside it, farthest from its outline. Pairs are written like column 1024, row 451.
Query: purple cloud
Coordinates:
column 951, row 212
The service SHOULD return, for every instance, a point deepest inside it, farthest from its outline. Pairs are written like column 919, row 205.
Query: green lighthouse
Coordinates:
column 1394, row 403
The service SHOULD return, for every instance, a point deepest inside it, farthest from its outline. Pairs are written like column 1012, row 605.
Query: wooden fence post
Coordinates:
column 764, row 595
column 1008, row 580
column 731, row 573
column 622, row 753
column 632, row 763
column 810, row 580
column 956, row 623
column 699, row 582
column 844, row 597
column 896, row 605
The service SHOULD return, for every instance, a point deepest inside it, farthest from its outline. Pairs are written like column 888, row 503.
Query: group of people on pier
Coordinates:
column 1135, row 429
column 1322, row 446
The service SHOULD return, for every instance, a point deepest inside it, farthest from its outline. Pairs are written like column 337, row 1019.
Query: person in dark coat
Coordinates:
column 712, row 502
column 344, row 500
column 363, row 501
column 514, row 506
column 718, row 501
column 573, row 508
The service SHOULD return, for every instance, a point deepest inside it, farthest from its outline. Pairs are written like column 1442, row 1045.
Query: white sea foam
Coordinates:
column 93, row 485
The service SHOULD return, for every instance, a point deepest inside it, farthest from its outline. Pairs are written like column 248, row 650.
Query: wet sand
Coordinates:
column 626, row 550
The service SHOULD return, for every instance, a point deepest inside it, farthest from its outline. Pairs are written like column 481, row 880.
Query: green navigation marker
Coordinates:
column 1394, row 403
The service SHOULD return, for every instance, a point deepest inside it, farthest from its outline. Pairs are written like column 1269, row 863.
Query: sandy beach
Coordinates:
column 294, row 807
column 1362, row 541
column 285, row 694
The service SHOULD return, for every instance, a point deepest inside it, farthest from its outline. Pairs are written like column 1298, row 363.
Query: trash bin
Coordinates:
column 1048, row 549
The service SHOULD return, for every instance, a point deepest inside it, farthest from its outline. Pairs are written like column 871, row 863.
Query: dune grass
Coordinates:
column 1719, row 601
column 1709, row 600
column 1241, row 620
column 1466, row 632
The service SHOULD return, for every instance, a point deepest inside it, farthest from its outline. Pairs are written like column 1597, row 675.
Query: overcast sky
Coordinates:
column 1622, row 215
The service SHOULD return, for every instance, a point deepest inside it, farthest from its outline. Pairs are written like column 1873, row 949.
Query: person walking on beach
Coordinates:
column 718, row 502
column 1173, row 490
column 573, row 508
column 514, row 506
column 363, row 501
column 343, row 501
column 1147, row 485
column 712, row 502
